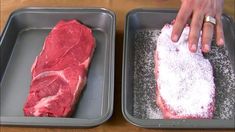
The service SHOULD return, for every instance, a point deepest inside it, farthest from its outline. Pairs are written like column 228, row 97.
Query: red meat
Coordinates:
column 59, row 72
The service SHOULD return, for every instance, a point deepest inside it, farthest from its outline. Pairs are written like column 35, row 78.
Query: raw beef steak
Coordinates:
column 59, row 71
column 185, row 82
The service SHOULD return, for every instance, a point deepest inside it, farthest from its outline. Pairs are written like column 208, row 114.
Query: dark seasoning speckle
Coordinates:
column 144, row 106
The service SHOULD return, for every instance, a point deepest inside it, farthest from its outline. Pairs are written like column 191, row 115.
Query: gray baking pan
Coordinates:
column 139, row 107
column 22, row 40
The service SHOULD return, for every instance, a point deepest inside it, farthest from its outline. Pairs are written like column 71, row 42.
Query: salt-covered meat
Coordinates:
column 185, row 82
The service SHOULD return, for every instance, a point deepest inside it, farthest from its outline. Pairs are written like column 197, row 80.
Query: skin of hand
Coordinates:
column 197, row 10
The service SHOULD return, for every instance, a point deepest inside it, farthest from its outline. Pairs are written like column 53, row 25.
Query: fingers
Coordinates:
column 195, row 29
column 198, row 9
column 207, row 34
column 219, row 31
column 181, row 19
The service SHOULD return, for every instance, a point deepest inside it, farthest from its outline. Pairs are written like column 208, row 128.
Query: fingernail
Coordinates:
column 221, row 42
column 175, row 38
column 206, row 48
column 193, row 47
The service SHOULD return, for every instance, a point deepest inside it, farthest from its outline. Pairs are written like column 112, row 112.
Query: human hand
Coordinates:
column 198, row 10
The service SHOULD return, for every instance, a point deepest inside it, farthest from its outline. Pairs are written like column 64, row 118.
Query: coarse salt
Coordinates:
column 185, row 79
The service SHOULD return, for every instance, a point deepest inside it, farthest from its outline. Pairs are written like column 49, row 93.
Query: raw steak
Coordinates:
column 59, row 71
column 185, row 82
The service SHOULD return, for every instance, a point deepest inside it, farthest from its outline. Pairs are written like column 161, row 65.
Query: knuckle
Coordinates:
column 188, row 2
column 193, row 38
column 202, row 7
column 206, row 39
column 218, row 17
column 220, row 33
column 196, row 26
column 181, row 19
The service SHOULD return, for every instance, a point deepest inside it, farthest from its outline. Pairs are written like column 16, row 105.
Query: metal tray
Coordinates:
column 138, row 82
column 22, row 40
